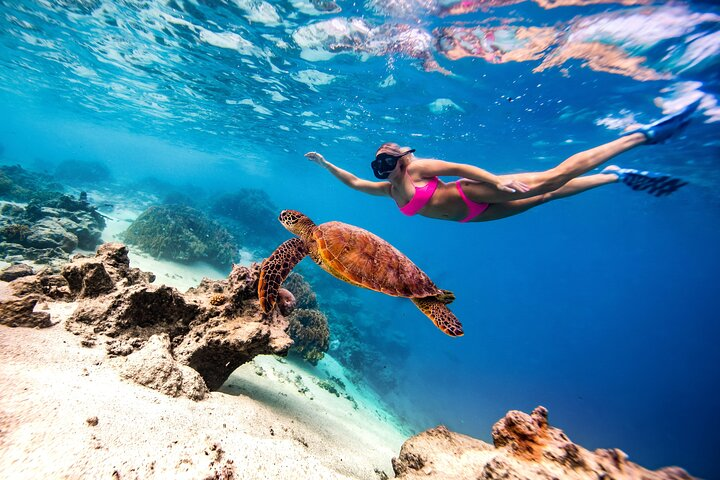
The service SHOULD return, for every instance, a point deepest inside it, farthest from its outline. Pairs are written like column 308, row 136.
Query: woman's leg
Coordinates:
column 580, row 163
column 497, row 211
column 553, row 179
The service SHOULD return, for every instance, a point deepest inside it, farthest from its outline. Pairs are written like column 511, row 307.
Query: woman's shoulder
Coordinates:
column 421, row 168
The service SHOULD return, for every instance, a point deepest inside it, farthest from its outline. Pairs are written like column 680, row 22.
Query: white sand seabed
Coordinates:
column 272, row 419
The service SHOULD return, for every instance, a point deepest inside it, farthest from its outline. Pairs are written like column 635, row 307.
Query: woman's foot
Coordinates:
column 666, row 127
column 613, row 170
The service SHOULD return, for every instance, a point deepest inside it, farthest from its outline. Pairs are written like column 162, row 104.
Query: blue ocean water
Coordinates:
column 601, row 307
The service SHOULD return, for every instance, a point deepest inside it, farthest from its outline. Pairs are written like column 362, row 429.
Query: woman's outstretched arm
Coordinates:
column 365, row 186
column 434, row 168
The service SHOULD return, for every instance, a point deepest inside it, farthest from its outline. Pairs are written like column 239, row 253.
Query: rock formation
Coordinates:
column 154, row 366
column 525, row 447
column 19, row 312
column 156, row 334
column 49, row 228
column 15, row 271
column 19, row 299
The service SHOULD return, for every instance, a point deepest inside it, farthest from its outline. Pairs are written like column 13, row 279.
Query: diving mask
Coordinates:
column 385, row 163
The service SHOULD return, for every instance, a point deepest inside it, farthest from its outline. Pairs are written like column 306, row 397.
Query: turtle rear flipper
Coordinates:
column 446, row 297
column 275, row 269
column 440, row 315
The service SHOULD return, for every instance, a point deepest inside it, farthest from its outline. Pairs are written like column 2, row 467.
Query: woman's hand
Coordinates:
column 512, row 186
column 315, row 157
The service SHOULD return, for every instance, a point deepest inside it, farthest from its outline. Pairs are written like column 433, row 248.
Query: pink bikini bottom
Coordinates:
column 474, row 209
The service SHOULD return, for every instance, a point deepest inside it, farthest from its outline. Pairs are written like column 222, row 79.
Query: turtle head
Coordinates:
column 296, row 222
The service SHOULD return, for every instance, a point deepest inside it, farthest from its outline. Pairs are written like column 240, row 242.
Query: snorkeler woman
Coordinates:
column 480, row 196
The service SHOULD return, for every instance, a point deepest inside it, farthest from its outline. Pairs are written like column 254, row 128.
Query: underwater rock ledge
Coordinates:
column 179, row 344
column 525, row 447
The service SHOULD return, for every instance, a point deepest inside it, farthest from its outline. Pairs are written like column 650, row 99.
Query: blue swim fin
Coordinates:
column 666, row 127
column 658, row 184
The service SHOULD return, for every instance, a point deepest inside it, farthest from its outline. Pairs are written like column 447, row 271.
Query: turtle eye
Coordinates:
column 288, row 217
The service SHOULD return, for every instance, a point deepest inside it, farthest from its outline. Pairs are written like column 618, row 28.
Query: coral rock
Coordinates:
column 524, row 436
column 211, row 339
column 215, row 349
column 93, row 276
column 50, row 226
column 18, row 312
column 154, row 367
column 15, row 232
column 136, row 311
column 88, row 279
column 16, row 271
column 50, row 233
column 44, row 283
column 525, row 448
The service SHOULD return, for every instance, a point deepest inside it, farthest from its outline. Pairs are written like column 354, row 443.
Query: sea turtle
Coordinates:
column 359, row 258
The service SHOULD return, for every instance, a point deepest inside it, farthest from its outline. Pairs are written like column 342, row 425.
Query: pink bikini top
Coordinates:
column 421, row 197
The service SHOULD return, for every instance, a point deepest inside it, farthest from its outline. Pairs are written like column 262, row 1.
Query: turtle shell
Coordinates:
column 364, row 259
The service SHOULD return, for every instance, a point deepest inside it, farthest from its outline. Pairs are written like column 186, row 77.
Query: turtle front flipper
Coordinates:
column 440, row 314
column 275, row 269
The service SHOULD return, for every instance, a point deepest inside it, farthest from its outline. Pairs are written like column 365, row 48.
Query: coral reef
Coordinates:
column 20, row 185
column 252, row 217
column 182, row 234
column 117, row 305
column 525, row 447
column 310, row 334
column 48, row 230
column 82, row 171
